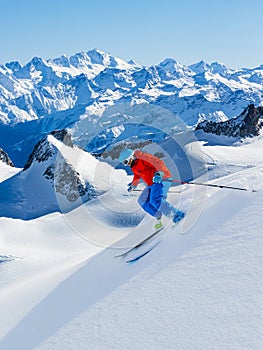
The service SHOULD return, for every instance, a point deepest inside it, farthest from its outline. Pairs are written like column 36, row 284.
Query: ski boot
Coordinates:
column 158, row 225
column 179, row 215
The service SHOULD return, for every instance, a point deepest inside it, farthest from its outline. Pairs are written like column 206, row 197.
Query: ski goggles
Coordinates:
column 127, row 161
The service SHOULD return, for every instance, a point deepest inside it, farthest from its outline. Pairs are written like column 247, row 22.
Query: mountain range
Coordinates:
column 78, row 91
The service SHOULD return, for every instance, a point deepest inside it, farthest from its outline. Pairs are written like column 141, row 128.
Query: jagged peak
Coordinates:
column 63, row 61
column 199, row 67
column 133, row 63
column 64, row 136
column 79, row 59
column 14, row 66
column 220, row 68
column 37, row 61
column 44, row 149
column 169, row 63
column 215, row 68
column 172, row 69
column 247, row 124
column 98, row 56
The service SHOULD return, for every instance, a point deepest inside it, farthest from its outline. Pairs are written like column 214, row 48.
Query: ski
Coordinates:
column 140, row 243
column 172, row 225
column 141, row 255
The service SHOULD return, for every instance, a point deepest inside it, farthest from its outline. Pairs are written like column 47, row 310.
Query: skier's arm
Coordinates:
column 135, row 180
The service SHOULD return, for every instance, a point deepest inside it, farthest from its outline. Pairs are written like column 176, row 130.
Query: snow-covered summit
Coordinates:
column 46, row 94
column 214, row 68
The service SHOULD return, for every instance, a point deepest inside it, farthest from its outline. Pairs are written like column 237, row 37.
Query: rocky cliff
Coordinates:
column 5, row 158
column 247, row 124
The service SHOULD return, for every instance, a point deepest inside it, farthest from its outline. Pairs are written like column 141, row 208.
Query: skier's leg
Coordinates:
column 144, row 202
column 144, row 196
column 156, row 195
column 166, row 208
column 155, row 200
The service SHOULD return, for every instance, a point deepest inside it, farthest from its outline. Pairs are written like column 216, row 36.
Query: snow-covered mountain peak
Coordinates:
column 14, row 66
column 219, row 68
column 36, row 64
column 170, row 69
column 99, row 57
column 199, row 67
column 172, row 66
column 35, row 71
column 62, row 61
column 37, row 61
column 133, row 63
column 169, row 64
column 79, row 60
column 106, row 60
column 44, row 149
column 214, row 68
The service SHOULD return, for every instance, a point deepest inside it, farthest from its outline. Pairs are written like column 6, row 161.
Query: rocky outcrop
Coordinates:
column 5, row 158
column 247, row 124
column 41, row 153
column 63, row 136
column 68, row 182
column 43, row 150
column 57, row 170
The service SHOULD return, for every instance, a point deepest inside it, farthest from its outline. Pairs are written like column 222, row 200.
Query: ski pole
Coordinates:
column 140, row 190
column 210, row 185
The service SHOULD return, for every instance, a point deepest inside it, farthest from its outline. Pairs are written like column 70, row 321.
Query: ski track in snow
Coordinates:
column 178, row 296
column 197, row 290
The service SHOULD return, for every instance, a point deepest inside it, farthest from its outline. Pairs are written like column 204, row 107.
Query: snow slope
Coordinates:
column 199, row 289
column 6, row 171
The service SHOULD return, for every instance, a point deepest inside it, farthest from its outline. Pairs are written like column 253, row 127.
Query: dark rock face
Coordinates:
column 43, row 150
column 247, row 124
column 63, row 177
column 5, row 158
column 68, row 182
column 63, row 136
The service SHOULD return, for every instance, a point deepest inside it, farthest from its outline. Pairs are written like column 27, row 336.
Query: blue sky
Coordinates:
column 227, row 31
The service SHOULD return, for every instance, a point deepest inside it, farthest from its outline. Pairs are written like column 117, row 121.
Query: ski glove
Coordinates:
column 157, row 177
column 130, row 187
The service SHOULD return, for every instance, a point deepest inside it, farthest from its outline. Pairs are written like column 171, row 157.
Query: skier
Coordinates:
column 153, row 172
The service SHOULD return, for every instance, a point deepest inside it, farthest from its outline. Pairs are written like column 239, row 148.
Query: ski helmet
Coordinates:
column 126, row 155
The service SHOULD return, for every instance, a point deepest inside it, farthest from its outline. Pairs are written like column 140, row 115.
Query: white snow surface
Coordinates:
column 6, row 171
column 200, row 288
